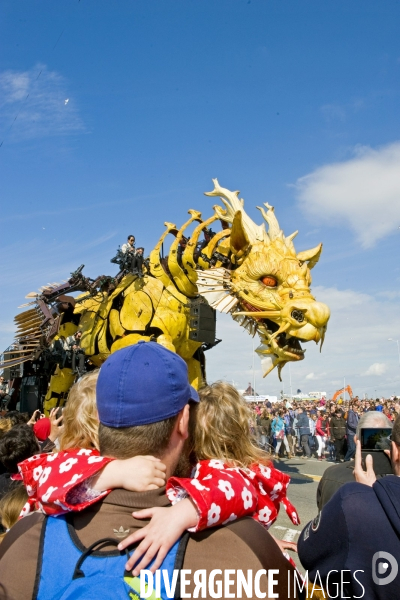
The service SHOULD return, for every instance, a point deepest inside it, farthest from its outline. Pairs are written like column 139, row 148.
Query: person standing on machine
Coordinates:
column 129, row 250
column 137, row 262
column 77, row 354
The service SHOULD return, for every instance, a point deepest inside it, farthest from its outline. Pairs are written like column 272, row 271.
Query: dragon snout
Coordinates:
column 308, row 320
column 318, row 315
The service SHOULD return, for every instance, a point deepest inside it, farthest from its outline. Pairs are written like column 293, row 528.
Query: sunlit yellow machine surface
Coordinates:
column 245, row 270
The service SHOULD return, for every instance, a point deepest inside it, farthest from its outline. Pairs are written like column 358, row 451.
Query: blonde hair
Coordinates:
column 222, row 429
column 5, row 425
column 11, row 505
column 80, row 420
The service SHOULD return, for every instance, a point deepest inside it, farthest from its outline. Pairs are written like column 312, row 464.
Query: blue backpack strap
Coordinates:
column 40, row 560
column 54, row 535
column 179, row 558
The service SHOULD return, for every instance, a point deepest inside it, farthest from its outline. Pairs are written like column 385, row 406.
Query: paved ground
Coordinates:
column 305, row 475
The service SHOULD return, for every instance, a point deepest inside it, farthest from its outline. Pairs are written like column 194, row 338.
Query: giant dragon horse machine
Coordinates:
column 253, row 274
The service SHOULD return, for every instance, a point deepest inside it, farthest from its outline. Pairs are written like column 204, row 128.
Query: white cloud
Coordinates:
column 376, row 369
column 391, row 295
column 314, row 377
column 333, row 112
column 33, row 104
column 363, row 192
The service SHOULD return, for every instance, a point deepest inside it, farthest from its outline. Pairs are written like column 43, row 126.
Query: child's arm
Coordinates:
column 220, row 494
column 49, row 478
column 137, row 474
column 223, row 494
column 165, row 528
column 74, row 479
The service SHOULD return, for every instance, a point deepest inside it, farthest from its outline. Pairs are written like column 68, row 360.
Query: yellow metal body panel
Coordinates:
column 128, row 340
column 166, row 341
column 185, row 347
column 171, row 316
column 90, row 325
column 195, row 376
column 89, row 303
column 102, row 340
column 67, row 329
column 154, row 289
column 156, row 268
column 116, row 328
column 179, row 276
column 60, row 384
column 99, row 359
column 136, row 311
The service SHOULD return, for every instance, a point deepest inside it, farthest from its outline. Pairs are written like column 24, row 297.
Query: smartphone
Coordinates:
column 375, row 439
column 37, row 416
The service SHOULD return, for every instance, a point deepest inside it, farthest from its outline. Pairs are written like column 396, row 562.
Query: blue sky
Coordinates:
column 114, row 117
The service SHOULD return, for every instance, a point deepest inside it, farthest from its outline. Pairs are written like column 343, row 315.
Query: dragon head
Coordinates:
column 269, row 284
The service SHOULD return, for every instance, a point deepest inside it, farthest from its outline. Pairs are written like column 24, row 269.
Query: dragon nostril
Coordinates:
column 298, row 315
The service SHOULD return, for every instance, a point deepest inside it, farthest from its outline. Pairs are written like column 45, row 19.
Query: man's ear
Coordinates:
column 183, row 422
column 394, row 453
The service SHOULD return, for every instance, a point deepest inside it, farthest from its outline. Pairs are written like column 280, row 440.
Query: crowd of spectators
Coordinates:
column 320, row 428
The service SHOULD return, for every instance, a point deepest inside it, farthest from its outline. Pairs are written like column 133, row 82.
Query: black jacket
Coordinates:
column 265, row 423
column 338, row 428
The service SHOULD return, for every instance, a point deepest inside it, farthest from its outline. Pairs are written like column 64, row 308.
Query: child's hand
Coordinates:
column 158, row 537
column 137, row 474
column 55, row 427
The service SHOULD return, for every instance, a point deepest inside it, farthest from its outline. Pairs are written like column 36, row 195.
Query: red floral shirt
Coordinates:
column 60, row 482
column 223, row 494
column 55, row 482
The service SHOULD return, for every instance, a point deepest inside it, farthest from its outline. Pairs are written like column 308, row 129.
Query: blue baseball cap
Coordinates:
column 141, row 384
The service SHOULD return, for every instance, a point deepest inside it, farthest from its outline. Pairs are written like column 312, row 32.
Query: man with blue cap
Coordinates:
column 146, row 406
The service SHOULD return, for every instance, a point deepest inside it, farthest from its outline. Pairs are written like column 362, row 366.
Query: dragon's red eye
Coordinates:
column 269, row 281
